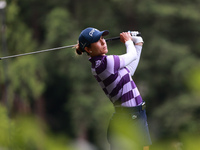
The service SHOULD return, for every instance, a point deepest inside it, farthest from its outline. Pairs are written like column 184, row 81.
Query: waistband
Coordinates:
column 130, row 109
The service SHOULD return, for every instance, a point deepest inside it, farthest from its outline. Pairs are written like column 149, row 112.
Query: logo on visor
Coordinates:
column 92, row 32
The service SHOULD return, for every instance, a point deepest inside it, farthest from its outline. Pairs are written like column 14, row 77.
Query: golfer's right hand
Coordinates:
column 125, row 36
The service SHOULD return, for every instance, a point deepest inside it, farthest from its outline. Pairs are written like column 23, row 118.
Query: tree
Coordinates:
column 23, row 73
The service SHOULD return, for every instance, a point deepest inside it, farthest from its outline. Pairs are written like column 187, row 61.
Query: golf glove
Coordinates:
column 136, row 38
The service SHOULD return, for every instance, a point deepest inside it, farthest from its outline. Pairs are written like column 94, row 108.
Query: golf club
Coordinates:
column 53, row 49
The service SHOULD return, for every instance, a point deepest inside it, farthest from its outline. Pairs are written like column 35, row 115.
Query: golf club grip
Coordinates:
column 117, row 38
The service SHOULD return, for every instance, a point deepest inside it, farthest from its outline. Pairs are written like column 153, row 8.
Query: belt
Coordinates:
column 130, row 109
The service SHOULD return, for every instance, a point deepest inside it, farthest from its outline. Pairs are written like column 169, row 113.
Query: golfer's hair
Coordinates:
column 79, row 50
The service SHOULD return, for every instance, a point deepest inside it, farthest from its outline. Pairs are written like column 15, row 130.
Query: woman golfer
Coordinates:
column 128, row 128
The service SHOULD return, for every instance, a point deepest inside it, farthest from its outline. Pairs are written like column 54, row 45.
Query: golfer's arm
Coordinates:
column 130, row 55
column 133, row 65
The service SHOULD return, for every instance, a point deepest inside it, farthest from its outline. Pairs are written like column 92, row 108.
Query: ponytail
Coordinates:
column 79, row 50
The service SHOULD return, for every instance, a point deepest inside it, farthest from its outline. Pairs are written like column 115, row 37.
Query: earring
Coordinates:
column 90, row 52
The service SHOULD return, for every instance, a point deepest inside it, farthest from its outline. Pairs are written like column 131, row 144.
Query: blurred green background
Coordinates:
column 50, row 101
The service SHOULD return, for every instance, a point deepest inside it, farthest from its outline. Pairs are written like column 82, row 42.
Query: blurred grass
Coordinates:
column 186, row 141
column 28, row 133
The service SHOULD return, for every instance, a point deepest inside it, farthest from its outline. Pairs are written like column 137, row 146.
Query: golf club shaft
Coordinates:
column 36, row 52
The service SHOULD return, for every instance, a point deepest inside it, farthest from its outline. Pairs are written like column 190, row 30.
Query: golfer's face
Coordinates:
column 99, row 48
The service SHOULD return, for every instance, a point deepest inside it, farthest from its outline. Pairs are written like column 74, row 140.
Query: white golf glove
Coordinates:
column 135, row 38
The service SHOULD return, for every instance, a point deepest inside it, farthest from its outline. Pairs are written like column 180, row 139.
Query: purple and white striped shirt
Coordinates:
column 116, row 82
